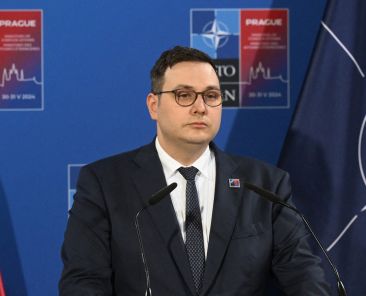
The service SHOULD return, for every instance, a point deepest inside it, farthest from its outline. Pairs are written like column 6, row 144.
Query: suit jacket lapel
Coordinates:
column 225, row 210
column 149, row 178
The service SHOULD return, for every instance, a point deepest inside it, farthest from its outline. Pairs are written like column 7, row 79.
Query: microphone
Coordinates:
column 158, row 196
column 276, row 199
column 155, row 198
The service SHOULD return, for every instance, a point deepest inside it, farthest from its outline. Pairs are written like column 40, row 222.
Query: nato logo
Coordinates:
column 73, row 171
column 216, row 32
column 250, row 51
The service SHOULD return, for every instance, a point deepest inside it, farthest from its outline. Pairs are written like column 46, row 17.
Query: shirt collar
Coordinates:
column 170, row 165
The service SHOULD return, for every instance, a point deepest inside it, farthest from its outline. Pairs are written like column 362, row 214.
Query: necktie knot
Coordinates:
column 189, row 173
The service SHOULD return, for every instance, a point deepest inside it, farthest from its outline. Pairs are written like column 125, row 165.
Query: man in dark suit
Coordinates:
column 212, row 236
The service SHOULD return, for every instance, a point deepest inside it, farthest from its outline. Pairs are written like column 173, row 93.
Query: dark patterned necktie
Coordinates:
column 194, row 235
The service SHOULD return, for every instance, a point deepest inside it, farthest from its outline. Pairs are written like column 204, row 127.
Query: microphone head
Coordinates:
column 158, row 196
column 262, row 192
column 268, row 195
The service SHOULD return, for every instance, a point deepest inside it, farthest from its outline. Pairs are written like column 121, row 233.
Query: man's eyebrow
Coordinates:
column 213, row 87
column 185, row 86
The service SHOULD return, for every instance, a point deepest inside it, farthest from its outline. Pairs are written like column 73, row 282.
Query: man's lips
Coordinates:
column 198, row 124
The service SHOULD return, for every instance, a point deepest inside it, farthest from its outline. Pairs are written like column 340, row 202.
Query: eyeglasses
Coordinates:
column 187, row 97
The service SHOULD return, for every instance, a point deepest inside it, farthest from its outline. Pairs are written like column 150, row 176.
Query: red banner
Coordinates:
column 21, row 57
column 2, row 289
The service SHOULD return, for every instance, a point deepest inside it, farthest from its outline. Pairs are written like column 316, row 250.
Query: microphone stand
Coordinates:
column 276, row 199
column 147, row 274
column 155, row 198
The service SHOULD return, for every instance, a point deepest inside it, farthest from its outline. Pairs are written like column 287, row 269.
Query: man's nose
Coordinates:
column 200, row 104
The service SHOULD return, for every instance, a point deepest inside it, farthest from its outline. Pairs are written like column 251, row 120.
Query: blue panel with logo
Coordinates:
column 96, row 61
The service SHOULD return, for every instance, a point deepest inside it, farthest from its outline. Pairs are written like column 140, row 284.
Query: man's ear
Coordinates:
column 152, row 102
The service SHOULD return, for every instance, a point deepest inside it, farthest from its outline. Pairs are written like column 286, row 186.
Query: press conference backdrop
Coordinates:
column 73, row 87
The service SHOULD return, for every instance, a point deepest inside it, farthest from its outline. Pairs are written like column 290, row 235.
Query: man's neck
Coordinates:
column 184, row 154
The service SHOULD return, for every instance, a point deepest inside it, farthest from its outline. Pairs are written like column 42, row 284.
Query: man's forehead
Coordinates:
column 188, row 64
column 191, row 70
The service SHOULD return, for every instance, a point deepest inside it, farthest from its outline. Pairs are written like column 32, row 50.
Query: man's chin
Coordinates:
column 199, row 141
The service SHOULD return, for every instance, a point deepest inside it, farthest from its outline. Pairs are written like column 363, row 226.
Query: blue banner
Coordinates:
column 74, row 76
column 325, row 148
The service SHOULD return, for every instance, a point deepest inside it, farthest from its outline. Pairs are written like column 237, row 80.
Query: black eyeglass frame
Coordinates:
column 202, row 93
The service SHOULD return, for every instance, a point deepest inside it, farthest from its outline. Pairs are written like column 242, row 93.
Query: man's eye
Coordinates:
column 184, row 95
column 212, row 95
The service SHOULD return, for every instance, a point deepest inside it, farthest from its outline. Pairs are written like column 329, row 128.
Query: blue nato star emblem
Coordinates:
column 215, row 34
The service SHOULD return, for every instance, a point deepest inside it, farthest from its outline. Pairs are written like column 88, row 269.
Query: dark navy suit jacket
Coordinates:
column 251, row 240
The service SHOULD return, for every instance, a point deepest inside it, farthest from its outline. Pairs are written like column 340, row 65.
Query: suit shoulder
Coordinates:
column 254, row 170
column 246, row 166
column 257, row 164
column 113, row 162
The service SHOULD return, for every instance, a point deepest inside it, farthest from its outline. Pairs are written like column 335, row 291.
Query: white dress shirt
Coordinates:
column 205, row 183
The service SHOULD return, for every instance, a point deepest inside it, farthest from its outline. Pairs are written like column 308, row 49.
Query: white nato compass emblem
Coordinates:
column 361, row 160
column 215, row 34
column 362, row 143
column 360, row 137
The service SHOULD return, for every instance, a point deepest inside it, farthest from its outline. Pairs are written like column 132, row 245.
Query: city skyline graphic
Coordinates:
column 8, row 74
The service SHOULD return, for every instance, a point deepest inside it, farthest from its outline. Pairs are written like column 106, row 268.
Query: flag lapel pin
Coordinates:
column 234, row 183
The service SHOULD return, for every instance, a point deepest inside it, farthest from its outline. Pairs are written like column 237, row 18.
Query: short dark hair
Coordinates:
column 174, row 56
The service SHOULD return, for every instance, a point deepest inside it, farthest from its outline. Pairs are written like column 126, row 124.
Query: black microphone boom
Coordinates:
column 155, row 198
column 276, row 199
column 158, row 196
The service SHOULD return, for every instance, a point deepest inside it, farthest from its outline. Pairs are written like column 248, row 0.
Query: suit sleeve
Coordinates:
column 86, row 249
column 296, row 269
